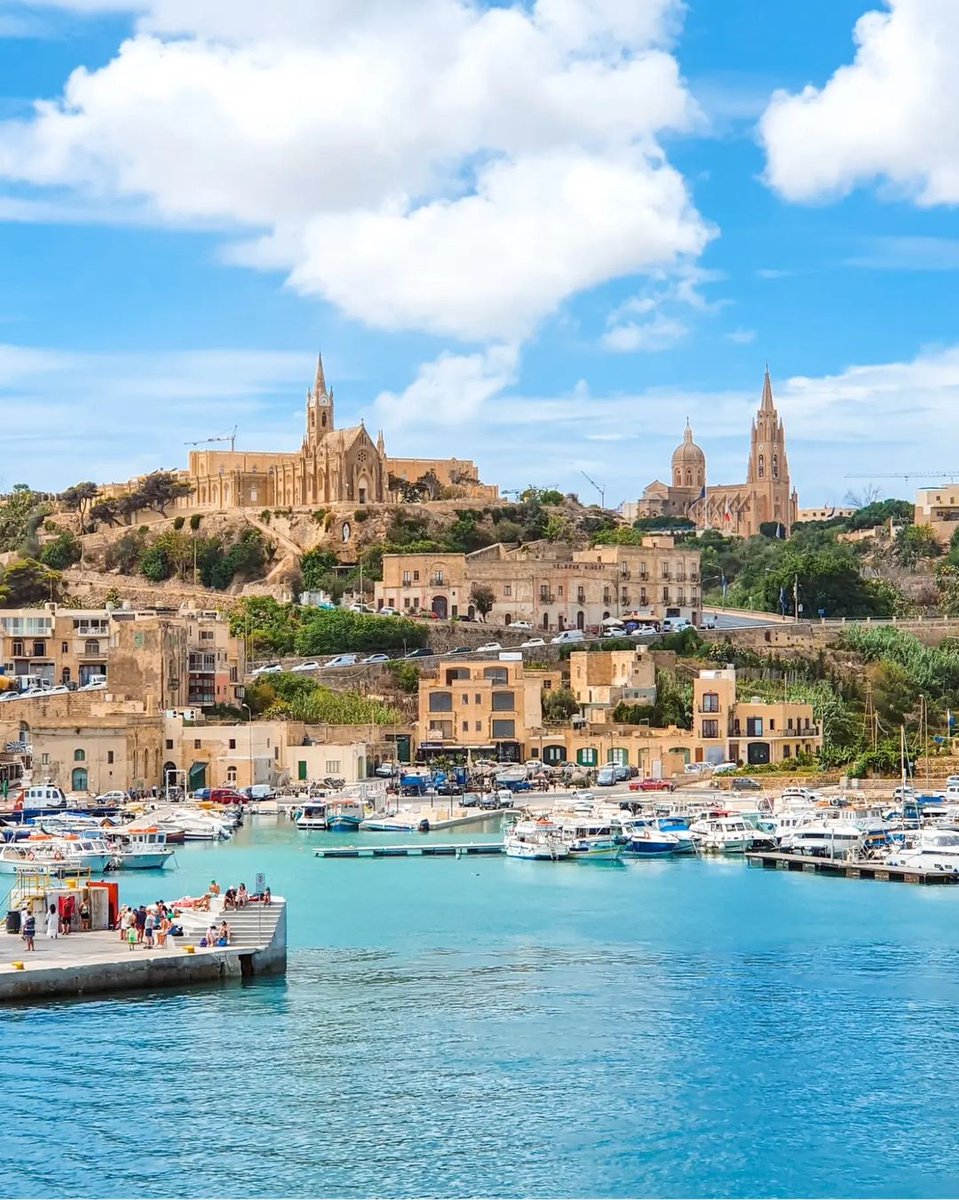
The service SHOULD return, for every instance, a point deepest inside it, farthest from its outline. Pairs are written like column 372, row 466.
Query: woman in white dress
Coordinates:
column 53, row 922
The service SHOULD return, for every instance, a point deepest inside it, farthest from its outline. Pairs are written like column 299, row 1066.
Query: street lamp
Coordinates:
column 249, row 726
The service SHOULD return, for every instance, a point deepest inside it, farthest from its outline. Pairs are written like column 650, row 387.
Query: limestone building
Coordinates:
column 553, row 587
column 332, row 466
column 738, row 508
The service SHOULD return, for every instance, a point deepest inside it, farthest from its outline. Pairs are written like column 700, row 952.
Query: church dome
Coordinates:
column 689, row 463
column 688, row 454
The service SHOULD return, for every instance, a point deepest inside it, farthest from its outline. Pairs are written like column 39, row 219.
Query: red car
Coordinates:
column 652, row 785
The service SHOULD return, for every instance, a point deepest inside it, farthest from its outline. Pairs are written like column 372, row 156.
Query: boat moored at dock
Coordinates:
column 541, row 839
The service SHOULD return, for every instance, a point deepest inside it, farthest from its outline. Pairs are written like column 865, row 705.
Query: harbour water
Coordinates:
column 490, row 1027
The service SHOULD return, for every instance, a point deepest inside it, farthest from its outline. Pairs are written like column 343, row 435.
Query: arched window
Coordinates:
column 679, row 477
column 689, row 479
column 775, row 466
column 231, row 775
column 762, row 466
column 79, row 756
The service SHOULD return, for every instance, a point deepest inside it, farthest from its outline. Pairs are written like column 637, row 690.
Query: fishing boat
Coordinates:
column 591, row 840
column 344, row 816
column 722, row 835
column 541, row 840
column 311, row 815
column 141, row 850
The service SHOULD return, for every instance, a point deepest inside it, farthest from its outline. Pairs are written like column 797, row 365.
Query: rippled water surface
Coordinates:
column 488, row 1027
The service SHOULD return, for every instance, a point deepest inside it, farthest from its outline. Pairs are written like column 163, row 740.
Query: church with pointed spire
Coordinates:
column 740, row 509
column 333, row 466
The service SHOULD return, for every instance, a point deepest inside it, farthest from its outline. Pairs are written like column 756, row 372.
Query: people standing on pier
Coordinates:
column 29, row 930
column 140, row 920
column 148, row 930
column 84, row 917
column 53, row 922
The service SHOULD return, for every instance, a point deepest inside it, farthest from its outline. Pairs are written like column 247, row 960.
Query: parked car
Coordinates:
column 652, row 785
column 724, row 768
column 259, row 791
column 386, row 611
column 226, row 796
column 694, row 768
column 707, row 622
column 307, row 666
column 343, row 660
column 270, row 669
column 422, row 652
column 360, row 608
column 112, row 798
column 676, row 624
column 488, row 647
column 530, row 643
column 470, row 800
column 621, row 772
column 520, row 625
column 375, row 658
column 615, row 631
column 605, row 777
column 746, row 785
column 461, row 650
column 568, row 635
column 202, row 794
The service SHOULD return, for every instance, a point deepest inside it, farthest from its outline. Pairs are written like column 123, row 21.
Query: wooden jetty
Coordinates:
column 421, row 850
column 845, row 868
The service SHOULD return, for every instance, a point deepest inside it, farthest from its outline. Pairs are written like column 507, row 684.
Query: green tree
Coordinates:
column 159, row 489
column 21, row 513
column 27, row 581
column 914, row 543
column 483, row 597
column 63, row 551
column 559, row 704
column 106, row 512
column 79, row 499
column 155, row 563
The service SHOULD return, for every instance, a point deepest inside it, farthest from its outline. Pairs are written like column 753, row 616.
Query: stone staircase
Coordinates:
column 251, row 927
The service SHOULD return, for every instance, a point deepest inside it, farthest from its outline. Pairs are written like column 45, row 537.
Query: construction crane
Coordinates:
column 601, row 490
column 909, row 475
column 220, row 437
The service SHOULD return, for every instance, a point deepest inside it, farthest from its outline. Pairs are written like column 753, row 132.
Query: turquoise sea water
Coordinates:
column 496, row 1028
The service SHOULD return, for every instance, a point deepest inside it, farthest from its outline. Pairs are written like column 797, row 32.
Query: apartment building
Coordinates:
column 187, row 657
column 486, row 707
column 753, row 732
column 939, row 508
column 550, row 586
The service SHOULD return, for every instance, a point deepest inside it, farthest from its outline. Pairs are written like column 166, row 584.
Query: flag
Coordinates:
column 722, row 583
column 780, row 532
column 699, row 498
column 782, row 600
column 727, row 515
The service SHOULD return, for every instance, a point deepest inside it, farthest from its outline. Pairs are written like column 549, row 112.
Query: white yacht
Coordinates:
column 722, row 835
column 932, row 850
column 197, row 825
column 541, row 839
column 61, row 856
column 836, row 838
column 311, row 815
column 590, row 840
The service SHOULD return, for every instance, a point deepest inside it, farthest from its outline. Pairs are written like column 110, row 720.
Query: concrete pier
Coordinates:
column 98, row 963
column 420, row 850
column 849, row 868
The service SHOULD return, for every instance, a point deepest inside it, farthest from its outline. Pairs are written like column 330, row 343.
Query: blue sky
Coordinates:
column 540, row 236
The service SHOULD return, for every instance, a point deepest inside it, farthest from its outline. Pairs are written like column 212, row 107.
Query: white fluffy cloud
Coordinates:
column 451, row 390
column 436, row 164
column 890, row 116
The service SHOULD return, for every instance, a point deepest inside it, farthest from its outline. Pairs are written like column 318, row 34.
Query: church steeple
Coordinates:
column 767, row 401
column 319, row 408
column 319, row 383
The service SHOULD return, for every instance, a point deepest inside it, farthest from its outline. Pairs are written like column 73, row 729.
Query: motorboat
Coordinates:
column 836, row 838
column 62, row 856
column 141, row 850
column 197, row 826
column 591, row 840
column 722, row 835
column 344, row 816
column 311, row 815
column 794, row 799
column 382, row 823
column 932, row 850
column 541, row 839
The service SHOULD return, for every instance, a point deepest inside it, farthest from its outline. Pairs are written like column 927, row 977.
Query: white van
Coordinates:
column 568, row 635
column 44, row 796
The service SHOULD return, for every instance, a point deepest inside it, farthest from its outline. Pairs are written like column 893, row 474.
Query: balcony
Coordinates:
column 547, row 598
column 437, row 581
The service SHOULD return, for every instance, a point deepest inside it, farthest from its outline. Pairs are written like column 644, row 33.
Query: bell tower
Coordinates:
column 319, row 409
column 767, row 480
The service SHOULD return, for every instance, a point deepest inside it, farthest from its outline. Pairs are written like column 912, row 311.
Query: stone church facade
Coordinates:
column 332, row 466
column 738, row 508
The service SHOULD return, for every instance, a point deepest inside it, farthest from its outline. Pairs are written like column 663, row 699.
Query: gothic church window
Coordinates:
column 762, row 466
column 775, row 466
